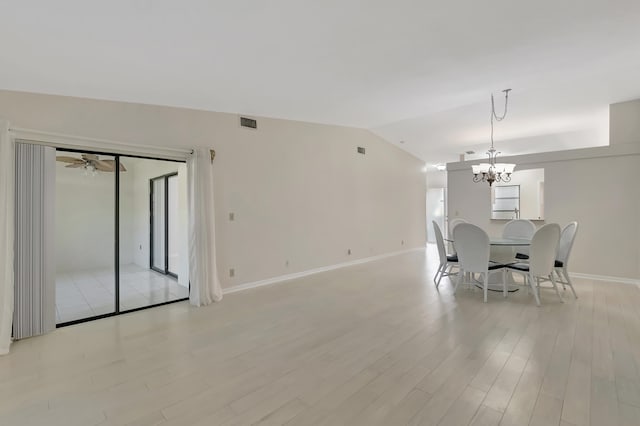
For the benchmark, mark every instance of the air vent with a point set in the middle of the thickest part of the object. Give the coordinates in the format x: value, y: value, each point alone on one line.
x: 248, y: 122
x: 360, y: 150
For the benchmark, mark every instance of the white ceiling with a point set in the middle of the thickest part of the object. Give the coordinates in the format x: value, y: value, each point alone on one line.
x: 418, y: 71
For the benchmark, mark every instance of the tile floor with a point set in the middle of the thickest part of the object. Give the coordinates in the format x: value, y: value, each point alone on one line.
x: 89, y: 293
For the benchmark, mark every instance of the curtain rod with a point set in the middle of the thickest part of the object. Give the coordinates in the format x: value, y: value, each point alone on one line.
x: 64, y: 140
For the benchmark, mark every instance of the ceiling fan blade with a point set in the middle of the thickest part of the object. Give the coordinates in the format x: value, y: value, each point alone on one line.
x: 74, y: 166
x: 112, y: 163
x: 102, y: 166
x: 89, y: 156
x: 69, y: 160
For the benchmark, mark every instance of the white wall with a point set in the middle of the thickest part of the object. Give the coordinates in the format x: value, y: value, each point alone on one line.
x: 624, y: 122
x: 597, y: 187
x: 300, y: 193
x: 624, y: 119
x: 437, y: 179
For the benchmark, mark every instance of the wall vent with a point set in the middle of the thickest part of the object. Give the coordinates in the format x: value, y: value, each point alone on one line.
x: 248, y: 122
x: 360, y: 150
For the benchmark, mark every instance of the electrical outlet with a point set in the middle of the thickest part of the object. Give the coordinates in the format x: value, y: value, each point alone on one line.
x: 232, y: 217
x: 232, y: 272
x: 286, y: 263
x: 140, y: 246
x: 349, y: 252
x: 402, y: 243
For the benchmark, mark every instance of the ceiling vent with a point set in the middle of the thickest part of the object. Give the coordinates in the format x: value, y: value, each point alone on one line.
x: 248, y: 122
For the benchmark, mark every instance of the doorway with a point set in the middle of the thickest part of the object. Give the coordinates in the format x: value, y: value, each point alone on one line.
x: 436, y: 211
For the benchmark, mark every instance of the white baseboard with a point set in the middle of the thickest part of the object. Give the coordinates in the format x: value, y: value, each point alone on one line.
x: 287, y: 277
x: 281, y: 278
x: 605, y: 278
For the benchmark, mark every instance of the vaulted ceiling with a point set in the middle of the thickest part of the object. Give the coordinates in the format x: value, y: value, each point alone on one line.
x: 417, y: 71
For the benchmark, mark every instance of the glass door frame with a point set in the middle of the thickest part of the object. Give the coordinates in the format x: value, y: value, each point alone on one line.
x: 117, y: 310
x: 165, y: 187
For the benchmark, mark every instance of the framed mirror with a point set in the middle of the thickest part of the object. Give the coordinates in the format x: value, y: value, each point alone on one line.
x: 521, y: 198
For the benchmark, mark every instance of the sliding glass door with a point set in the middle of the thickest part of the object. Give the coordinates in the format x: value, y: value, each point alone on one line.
x: 111, y: 258
x: 157, y: 233
x: 84, y: 235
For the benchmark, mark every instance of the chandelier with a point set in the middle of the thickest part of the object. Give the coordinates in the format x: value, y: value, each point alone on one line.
x: 492, y: 171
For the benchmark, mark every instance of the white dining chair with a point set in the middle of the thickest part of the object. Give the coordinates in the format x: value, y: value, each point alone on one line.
x: 520, y: 228
x: 567, y: 237
x: 453, y: 223
x: 542, y: 257
x: 472, y: 247
x: 447, y: 261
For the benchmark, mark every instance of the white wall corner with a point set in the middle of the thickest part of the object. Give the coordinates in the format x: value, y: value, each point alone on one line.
x: 624, y: 123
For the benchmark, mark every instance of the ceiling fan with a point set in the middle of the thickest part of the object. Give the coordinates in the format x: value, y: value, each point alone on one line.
x: 91, y: 163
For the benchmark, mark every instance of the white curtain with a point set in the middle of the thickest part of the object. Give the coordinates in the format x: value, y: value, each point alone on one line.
x: 203, y: 272
x: 7, y: 177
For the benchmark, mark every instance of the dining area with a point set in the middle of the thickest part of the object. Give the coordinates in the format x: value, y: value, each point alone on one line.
x: 523, y: 257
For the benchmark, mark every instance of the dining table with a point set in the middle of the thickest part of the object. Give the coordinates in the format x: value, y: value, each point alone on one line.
x: 511, y: 242
x: 499, y: 255
x: 499, y: 241
x: 504, y: 257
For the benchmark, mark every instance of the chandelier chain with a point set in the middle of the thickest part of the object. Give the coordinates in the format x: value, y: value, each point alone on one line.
x: 493, y: 111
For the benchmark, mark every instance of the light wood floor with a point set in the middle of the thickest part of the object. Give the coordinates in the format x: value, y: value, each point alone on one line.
x: 366, y: 345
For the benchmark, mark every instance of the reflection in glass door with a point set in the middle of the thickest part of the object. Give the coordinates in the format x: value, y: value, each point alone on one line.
x: 84, y: 235
x: 164, y: 224
x: 173, y: 228
x: 158, y: 222
x: 151, y: 206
